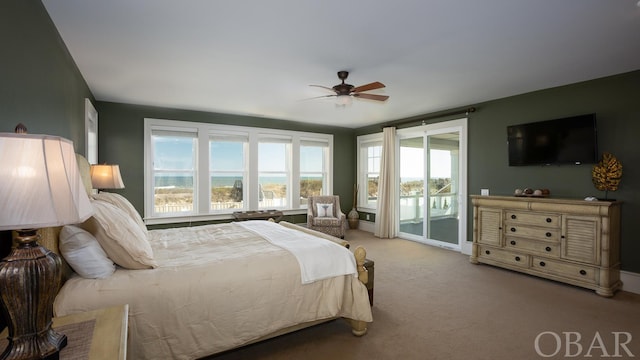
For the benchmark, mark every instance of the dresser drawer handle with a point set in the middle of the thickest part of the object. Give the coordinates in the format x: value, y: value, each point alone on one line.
x: 542, y: 263
x: 513, y: 229
x: 517, y: 258
x: 548, y: 248
x: 487, y: 252
x: 513, y: 216
x: 548, y: 234
x: 549, y: 220
x: 512, y: 242
x: 582, y: 272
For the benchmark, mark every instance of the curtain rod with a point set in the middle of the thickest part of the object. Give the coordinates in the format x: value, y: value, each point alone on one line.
x: 465, y: 111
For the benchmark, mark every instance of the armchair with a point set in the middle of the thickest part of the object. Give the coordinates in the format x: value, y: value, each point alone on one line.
x: 324, y: 215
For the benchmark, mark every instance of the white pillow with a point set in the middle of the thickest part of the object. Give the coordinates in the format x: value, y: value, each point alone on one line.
x: 120, y: 237
x: 122, y: 203
x: 84, y: 254
x: 324, y: 210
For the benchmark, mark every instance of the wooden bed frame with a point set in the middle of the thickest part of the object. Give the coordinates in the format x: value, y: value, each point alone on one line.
x: 49, y: 239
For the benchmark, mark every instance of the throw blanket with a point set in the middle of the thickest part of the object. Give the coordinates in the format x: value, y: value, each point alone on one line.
x: 318, y: 258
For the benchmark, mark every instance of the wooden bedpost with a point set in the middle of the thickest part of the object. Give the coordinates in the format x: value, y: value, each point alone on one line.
x: 361, y: 254
x: 359, y: 328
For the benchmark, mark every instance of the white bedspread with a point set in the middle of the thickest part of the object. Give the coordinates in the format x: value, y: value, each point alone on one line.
x: 216, y: 287
x: 318, y: 258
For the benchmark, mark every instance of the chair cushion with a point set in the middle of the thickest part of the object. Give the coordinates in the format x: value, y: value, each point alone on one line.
x: 326, y: 221
x: 324, y: 210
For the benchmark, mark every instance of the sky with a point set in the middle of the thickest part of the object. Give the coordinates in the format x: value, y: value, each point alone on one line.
x: 175, y: 154
x: 412, y: 163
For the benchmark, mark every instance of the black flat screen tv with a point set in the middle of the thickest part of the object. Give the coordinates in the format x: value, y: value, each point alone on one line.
x: 571, y: 140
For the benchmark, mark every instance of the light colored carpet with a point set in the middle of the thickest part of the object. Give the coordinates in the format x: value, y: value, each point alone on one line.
x: 432, y: 303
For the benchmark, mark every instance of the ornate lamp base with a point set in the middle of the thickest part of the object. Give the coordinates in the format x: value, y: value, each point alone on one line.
x: 29, y: 280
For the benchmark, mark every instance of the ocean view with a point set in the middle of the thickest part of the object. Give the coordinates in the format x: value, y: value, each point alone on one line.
x: 218, y: 181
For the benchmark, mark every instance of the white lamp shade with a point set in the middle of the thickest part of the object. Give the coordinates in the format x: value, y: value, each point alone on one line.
x: 40, y: 185
x: 106, y: 177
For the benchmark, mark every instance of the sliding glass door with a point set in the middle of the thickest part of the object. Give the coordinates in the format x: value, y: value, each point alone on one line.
x: 432, y: 183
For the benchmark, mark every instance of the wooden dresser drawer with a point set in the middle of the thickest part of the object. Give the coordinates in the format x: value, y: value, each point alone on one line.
x: 532, y: 232
x: 564, y: 269
x: 549, y: 248
x: 539, y: 219
x: 503, y: 256
x: 568, y: 240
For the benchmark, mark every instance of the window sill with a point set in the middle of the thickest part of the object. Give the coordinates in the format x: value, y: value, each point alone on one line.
x: 180, y: 219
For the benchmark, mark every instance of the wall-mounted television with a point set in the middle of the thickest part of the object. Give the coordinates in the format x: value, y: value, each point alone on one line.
x: 571, y: 140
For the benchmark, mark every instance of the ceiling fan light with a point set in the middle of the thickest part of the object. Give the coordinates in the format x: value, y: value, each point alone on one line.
x: 344, y: 100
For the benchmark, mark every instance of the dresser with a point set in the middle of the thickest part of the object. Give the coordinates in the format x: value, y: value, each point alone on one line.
x: 572, y: 241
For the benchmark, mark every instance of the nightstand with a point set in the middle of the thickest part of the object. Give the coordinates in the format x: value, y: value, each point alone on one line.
x: 109, y: 334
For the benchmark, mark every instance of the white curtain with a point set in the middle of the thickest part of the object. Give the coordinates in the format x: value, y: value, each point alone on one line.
x: 387, y: 210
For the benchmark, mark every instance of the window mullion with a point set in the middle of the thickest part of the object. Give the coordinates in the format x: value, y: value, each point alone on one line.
x: 252, y: 187
x: 295, y: 174
x: 203, y: 193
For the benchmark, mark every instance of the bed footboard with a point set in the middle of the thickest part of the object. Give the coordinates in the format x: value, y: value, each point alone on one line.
x: 359, y: 328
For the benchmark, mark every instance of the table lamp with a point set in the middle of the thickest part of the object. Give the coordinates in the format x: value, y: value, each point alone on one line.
x: 106, y: 177
x: 40, y: 187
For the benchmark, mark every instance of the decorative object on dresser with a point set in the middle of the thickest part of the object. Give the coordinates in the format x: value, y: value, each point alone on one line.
x: 606, y: 175
x: 105, y: 177
x: 41, y: 187
x: 528, y: 192
x: 353, y: 216
x: 571, y: 241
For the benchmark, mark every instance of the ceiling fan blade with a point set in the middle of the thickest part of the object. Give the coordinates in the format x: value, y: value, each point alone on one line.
x: 372, y: 96
x: 319, y: 97
x: 324, y: 87
x: 367, y: 87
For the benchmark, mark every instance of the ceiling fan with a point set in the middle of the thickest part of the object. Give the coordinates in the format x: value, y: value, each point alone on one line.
x: 348, y: 90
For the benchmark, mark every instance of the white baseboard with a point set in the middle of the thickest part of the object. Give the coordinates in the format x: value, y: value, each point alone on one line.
x: 630, y: 281
x: 368, y: 226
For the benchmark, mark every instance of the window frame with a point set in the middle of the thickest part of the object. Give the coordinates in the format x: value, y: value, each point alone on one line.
x: 202, y: 192
x: 325, y: 166
x: 365, y: 141
x: 231, y: 137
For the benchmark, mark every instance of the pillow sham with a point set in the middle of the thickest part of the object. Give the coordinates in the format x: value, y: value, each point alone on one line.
x: 122, y: 203
x: 120, y: 237
x: 84, y: 254
x: 324, y: 210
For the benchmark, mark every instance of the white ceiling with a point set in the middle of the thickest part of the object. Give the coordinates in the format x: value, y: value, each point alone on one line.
x: 258, y: 57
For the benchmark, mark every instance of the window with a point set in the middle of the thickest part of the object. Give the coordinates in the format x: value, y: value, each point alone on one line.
x: 174, y: 172
x: 313, y: 169
x: 370, y: 151
x: 274, y: 172
x: 198, y: 171
x: 227, y: 171
x: 91, y: 132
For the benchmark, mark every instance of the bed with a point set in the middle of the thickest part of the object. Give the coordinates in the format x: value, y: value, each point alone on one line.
x: 202, y: 290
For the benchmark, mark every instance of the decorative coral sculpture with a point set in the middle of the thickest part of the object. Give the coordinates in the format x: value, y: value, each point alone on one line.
x: 607, y: 173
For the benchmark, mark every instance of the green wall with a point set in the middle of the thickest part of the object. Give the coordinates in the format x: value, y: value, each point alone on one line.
x: 42, y: 88
x: 40, y: 84
x: 614, y: 99
x: 121, y: 141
